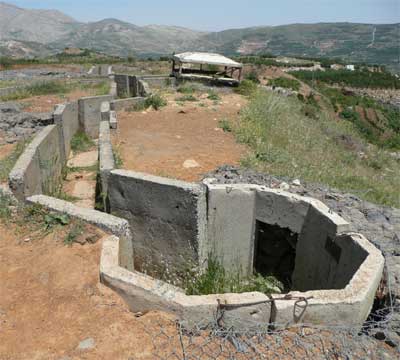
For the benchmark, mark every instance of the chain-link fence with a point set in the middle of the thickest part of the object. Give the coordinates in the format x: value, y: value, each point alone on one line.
x: 171, y: 340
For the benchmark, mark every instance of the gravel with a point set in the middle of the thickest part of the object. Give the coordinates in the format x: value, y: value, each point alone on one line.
x: 16, y: 125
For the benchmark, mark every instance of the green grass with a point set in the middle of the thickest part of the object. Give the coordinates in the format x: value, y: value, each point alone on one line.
x: 75, y: 231
x: 56, y: 87
x: 285, y: 83
x: 5, y: 203
x: 117, y: 158
x: 246, y: 88
x: 186, y: 98
x: 285, y: 142
x: 187, y: 88
x: 215, y: 280
x: 81, y: 142
x: 213, y: 95
x: 156, y: 101
x: 225, y: 125
x: 8, y: 162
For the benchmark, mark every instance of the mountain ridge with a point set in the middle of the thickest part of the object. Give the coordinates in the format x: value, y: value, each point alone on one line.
x: 54, y: 30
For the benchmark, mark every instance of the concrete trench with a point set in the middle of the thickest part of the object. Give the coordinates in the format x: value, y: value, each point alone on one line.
x: 331, y: 274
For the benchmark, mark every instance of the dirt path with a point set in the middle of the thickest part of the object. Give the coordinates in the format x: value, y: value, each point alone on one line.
x: 182, y: 142
x: 80, y: 182
x: 51, y: 302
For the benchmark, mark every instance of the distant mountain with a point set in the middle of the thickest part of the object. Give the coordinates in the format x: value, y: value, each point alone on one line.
x: 51, y: 30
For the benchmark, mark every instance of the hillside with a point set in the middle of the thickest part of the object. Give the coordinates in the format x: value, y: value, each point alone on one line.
x: 353, y: 42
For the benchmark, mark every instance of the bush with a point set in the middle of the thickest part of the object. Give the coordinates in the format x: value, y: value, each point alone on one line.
x: 155, y: 101
x: 252, y: 76
x: 246, y: 88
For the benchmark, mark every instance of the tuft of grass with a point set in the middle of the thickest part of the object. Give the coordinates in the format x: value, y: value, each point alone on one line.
x: 8, y: 162
x: 42, y: 88
x: 225, y: 125
x: 155, y: 101
x: 76, y: 230
x: 285, y: 142
x: 246, y: 88
x: 117, y: 158
x: 212, y: 95
x: 215, y: 280
x: 186, y: 98
x: 81, y: 142
x: 187, y: 88
x: 5, y: 203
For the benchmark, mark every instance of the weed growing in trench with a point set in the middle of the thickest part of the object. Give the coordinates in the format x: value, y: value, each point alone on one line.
x: 215, y: 280
x: 81, y: 142
x: 75, y: 231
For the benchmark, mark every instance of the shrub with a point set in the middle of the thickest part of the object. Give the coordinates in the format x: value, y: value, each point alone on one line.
x: 246, y: 88
x: 252, y: 76
x: 155, y: 101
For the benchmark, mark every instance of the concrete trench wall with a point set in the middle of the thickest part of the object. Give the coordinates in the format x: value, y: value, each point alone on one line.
x: 140, y: 86
x: 38, y: 170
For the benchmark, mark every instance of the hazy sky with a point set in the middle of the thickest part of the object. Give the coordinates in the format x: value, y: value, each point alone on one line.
x: 223, y: 14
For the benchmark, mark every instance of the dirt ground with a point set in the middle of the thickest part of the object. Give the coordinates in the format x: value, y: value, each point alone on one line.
x: 46, y: 103
x: 181, y: 141
x: 6, y: 150
x: 51, y: 300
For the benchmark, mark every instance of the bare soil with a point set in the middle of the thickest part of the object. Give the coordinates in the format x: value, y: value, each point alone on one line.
x: 179, y: 141
x: 51, y: 300
x: 6, y: 150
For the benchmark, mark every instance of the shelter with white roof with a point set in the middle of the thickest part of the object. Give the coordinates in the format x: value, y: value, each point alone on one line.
x: 201, y: 65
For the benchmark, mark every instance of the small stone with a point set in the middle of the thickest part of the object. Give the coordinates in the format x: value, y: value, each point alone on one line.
x: 86, y: 344
x: 284, y: 186
x: 296, y: 182
x: 92, y: 238
x: 189, y: 164
x: 27, y: 239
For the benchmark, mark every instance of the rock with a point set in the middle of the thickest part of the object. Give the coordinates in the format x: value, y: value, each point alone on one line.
x: 188, y: 164
x: 87, y: 344
x: 92, y: 238
x: 284, y: 186
x: 296, y: 182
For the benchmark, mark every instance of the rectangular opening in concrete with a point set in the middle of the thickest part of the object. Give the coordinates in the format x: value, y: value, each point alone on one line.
x: 275, y: 252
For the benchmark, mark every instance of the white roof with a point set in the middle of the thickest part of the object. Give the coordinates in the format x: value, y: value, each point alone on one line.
x: 206, y: 58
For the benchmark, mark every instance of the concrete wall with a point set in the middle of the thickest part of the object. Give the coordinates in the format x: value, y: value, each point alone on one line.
x: 123, y: 88
x: 90, y: 114
x: 318, y: 253
x: 167, y: 217
x: 38, y: 170
x: 125, y: 104
x: 106, y: 161
x: 231, y: 213
x: 66, y: 117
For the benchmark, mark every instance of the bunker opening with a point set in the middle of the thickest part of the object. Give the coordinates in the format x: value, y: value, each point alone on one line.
x: 275, y: 252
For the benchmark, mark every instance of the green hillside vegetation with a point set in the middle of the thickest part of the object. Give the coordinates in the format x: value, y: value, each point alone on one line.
x: 359, y: 78
x: 318, y: 148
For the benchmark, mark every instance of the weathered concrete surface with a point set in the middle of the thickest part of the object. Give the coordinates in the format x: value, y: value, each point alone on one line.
x: 168, y: 218
x: 105, y: 111
x: 66, y: 117
x: 231, y: 213
x: 113, y: 120
x: 106, y: 162
x: 38, y: 170
x: 90, y: 114
x: 126, y: 104
x: 84, y: 159
x: 380, y: 224
x: 347, y: 307
x: 110, y: 223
